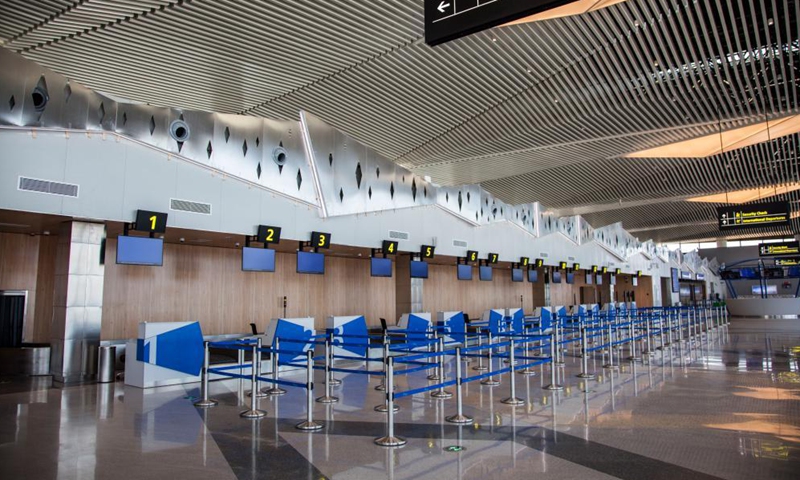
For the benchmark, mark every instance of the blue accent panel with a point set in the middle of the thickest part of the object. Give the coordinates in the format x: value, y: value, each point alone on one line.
x: 357, y: 326
x: 456, y: 327
x: 622, y: 308
x: 546, y: 322
x: 181, y: 349
x: 142, y: 350
x: 517, y: 321
x: 562, y: 312
x: 416, y: 324
x: 496, y: 323
x: 291, y: 331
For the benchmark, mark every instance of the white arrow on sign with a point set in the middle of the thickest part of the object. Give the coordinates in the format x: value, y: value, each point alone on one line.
x: 442, y: 6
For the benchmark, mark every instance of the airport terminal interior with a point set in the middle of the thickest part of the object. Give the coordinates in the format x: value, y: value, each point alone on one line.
x: 399, y: 239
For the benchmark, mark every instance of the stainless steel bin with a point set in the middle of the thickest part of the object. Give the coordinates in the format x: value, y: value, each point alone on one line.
x: 106, y: 364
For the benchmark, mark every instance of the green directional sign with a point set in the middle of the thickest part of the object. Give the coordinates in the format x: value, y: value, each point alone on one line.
x: 454, y: 448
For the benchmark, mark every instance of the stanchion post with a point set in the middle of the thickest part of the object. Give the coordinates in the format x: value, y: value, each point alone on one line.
x: 512, y: 399
x: 610, y: 365
x: 253, y: 412
x: 553, y: 381
x: 585, y: 359
x: 390, y: 440
x: 276, y: 365
x: 480, y: 367
x: 490, y: 381
x: 441, y: 393
x: 330, y: 378
x: 459, y: 417
x: 382, y: 386
x: 328, y: 398
x: 309, y: 424
x: 437, y: 346
x: 204, y: 401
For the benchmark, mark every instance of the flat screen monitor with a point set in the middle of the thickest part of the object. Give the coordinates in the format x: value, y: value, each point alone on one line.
x: 589, y: 278
x: 635, y: 281
x: 380, y: 267
x: 310, y: 262
x: 533, y: 276
x: 419, y: 269
x: 485, y: 273
x: 516, y: 275
x: 258, y: 259
x: 599, y: 279
x: 675, y: 280
x: 749, y: 273
x: 140, y: 251
x: 612, y: 280
x: 556, y: 277
x: 570, y: 277
x: 464, y: 272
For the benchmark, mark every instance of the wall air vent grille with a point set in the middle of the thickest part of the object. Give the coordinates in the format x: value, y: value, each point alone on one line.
x: 544, y: 255
x: 460, y: 243
x: 398, y: 235
x: 47, y: 186
x: 189, y: 206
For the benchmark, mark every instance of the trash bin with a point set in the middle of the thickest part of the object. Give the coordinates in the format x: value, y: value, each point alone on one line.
x: 106, y: 364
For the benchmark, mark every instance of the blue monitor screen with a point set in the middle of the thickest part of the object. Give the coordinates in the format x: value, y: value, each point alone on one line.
x: 140, y: 251
x: 635, y: 281
x: 533, y: 276
x: 599, y: 279
x: 419, y: 269
x: 258, y: 259
x: 485, y: 273
x: 749, y: 273
x: 570, y: 277
x: 310, y: 262
x: 589, y: 278
x: 556, y: 277
x: 516, y: 275
x: 380, y: 267
x: 465, y: 272
x: 794, y: 271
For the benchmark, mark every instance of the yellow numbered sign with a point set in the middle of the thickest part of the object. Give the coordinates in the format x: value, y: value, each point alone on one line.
x: 268, y: 234
x: 320, y: 240
x: 426, y: 251
x: 389, y: 246
x: 153, y: 222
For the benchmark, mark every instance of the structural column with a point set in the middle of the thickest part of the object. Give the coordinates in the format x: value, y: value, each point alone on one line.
x: 77, y: 302
x: 408, y: 291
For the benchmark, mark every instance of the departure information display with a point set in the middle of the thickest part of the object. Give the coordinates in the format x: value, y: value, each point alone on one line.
x: 787, y: 262
x: 772, y: 214
x: 778, y: 249
x: 447, y: 20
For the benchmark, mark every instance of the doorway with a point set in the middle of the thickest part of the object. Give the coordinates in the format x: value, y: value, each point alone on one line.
x: 12, y: 317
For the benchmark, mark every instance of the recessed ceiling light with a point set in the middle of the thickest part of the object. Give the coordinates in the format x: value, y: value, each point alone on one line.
x: 714, y: 144
x: 578, y: 7
x: 748, y: 195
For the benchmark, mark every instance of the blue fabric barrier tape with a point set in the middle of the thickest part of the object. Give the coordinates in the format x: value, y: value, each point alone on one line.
x: 417, y: 391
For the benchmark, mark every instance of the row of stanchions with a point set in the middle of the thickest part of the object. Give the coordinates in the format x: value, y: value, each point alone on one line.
x: 607, y: 333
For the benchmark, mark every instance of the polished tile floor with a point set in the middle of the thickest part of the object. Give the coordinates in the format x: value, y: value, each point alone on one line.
x: 728, y: 408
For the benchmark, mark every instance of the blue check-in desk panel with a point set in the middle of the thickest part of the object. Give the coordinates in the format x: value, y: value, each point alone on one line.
x: 293, y: 335
x: 164, y: 353
x: 350, y: 333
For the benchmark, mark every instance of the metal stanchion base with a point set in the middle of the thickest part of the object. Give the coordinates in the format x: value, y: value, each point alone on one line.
x: 442, y: 394
x: 309, y: 426
x: 481, y: 368
x: 611, y: 367
x: 634, y: 359
x: 459, y: 419
x: 490, y: 382
x: 259, y: 393
x: 527, y: 371
x: 383, y: 408
x: 206, y: 403
x: 507, y: 362
x: 328, y: 399
x: 588, y: 376
x: 253, y: 414
x: 334, y: 382
x: 554, y: 387
x: 513, y: 401
x: 559, y: 363
x: 390, y: 441
x: 381, y: 388
x: 434, y: 377
x: 274, y: 391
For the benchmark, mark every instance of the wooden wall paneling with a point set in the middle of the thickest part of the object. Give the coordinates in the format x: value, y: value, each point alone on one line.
x: 206, y: 284
x: 45, y: 283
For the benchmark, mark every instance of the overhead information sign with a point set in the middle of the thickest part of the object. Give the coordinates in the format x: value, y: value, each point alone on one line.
x: 778, y: 249
x: 447, y: 20
x: 787, y: 262
x: 773, y: 214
